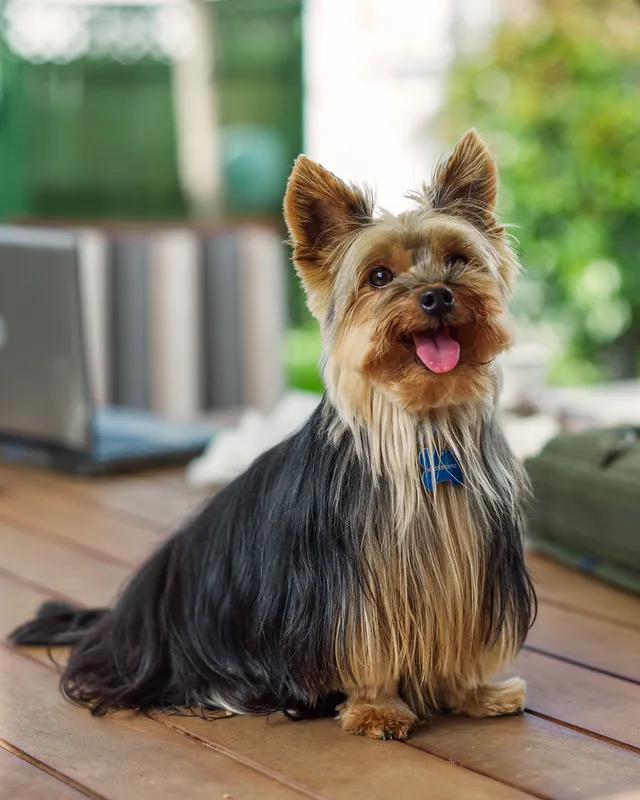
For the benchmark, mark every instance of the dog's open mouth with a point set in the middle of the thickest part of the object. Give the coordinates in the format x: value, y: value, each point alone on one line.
x: 437, y: 350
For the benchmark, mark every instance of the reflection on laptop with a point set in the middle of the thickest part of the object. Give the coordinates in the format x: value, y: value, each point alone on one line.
x: 47, y: 416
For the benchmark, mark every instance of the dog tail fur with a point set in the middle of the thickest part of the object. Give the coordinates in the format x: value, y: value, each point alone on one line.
x: 57, y: 623
x: 121, y: 657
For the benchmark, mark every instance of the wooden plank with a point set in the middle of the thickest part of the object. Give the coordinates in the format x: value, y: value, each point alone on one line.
x: 54, y: 566
x: 590, y: 700
x: 44, y: 510
x: 17, y: 475
x: 178, y: 479
x: 155, y: 503
x: 144, y: 499
x: 593, y: 642
x: 20, y: 780
x: 18, y: 603
x: 334, y: 764
x: 581, y: 593
x: 633, y: 795
x: 534, y: 754
x: 123, y: 757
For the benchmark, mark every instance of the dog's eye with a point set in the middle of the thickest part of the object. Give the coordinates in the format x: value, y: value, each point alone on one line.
x: 380, y: 276
x: 454, y: 259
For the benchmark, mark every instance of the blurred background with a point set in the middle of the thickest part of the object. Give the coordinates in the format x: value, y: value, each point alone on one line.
x: 164, y: 130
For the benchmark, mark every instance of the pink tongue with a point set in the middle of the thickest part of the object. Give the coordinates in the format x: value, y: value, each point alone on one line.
x: 439, y: 352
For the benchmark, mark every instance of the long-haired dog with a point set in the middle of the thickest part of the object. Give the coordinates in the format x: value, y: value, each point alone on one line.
x: 373, y: 562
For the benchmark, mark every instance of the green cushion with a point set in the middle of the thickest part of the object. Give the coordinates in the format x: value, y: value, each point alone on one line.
x: 586, y: 506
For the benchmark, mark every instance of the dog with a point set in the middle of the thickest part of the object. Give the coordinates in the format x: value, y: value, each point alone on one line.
x: 371, y: 566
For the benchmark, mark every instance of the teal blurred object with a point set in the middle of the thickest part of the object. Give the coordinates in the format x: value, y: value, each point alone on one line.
x: 258, y: 73
x: 254, y: 161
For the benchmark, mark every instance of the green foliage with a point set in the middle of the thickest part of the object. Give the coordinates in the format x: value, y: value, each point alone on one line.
x: 557, y: 100
x: 303, y: 348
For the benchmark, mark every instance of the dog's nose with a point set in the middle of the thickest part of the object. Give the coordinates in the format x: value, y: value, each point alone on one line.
x: 437, y: 301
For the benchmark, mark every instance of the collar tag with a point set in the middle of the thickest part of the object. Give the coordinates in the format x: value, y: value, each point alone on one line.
x: 445, y: 467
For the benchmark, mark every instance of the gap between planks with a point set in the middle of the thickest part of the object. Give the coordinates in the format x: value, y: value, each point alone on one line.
x: 51, y: 771
x: 594, y: 734
x: 574, y: 663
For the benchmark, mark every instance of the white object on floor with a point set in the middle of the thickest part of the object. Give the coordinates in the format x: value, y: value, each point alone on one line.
x: 524, y: 372
x: 528, y: 435
x: 615, y: 403
x: 232, y: 450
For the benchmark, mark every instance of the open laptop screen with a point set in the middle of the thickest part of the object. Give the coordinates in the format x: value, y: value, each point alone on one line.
x: 44, y: 392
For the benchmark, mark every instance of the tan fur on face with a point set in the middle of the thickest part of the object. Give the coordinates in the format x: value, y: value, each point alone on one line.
x: 366, y: 338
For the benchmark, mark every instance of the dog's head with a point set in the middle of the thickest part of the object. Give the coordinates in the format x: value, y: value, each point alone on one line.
x: 416, y: 304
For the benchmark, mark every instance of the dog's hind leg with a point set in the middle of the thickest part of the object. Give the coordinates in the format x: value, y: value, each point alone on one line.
x: 378, y: 714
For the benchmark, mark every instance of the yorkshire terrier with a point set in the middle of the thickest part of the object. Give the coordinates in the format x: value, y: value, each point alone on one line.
x: 372, y: 564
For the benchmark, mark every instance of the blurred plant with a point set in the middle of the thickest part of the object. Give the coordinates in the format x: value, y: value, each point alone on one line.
x: 303, y: 349
x: 556, y: 97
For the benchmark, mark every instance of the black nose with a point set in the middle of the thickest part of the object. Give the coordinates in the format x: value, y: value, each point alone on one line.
x: 437, y: 301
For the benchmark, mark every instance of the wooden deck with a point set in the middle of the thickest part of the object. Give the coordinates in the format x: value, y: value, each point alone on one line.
x: 78, y: 540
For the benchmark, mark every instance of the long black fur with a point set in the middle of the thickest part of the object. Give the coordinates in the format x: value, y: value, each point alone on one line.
x: 242, y: 603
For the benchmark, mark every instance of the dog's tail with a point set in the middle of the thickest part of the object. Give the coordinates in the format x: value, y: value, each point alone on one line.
x: 128, y: 656
x: 57, y: 623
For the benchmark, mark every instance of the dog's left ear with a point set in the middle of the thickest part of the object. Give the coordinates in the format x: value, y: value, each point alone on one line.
x: 320, y: 210
x: 467, y: 183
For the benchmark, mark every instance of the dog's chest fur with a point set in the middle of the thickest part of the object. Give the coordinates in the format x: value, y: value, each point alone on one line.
x: 422, y: 619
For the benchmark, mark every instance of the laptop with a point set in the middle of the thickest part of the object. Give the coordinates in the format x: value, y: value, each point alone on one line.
x: 47, y: 415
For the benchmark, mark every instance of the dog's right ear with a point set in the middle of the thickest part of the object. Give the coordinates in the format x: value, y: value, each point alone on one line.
x: 320, y: 210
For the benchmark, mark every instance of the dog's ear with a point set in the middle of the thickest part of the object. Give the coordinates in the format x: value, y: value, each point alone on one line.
x: 320, y: 210
x: 466, y: 184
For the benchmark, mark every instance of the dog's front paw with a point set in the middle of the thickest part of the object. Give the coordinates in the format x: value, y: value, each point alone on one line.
x: 494, y: 699
x: 377, y: 721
